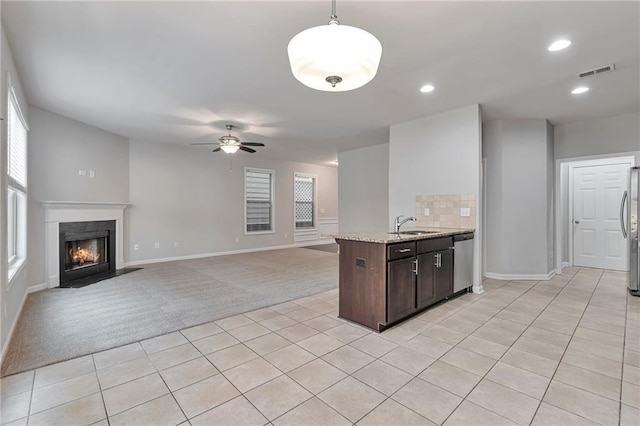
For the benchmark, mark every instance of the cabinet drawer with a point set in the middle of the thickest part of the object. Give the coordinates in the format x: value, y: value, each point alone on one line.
x: 435, y: 244
x: 400, y: 250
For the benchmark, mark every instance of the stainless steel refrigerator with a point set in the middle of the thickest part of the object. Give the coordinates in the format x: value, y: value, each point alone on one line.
x: 629, y: 212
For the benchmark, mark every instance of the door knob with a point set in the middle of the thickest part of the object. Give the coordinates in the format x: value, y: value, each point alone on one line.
x: 576, y: 222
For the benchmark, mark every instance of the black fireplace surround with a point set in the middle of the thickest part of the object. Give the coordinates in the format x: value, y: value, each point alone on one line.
x: 86, y: 248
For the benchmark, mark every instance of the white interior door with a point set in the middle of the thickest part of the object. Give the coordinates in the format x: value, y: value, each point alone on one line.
x: 597, y: 238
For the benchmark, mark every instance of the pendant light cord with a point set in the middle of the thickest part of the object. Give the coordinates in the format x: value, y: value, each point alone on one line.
x: 334, y: 17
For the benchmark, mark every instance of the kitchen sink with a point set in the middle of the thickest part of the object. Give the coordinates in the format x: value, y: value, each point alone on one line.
x: 414, y: 232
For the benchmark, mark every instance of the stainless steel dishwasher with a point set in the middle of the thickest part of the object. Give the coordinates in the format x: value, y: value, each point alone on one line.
x: 462, y: 261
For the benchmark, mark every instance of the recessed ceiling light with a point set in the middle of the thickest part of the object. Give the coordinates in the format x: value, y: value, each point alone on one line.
x: 559, y: 45
x: 579, y: 89
x: 427, y: 88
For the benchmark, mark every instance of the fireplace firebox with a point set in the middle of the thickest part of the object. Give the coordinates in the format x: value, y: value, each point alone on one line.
x: 86, y: 249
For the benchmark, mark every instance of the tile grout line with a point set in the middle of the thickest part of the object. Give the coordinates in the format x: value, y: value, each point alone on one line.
x: 157, y: 371
x: 510, y: 346
x: 219, y: 372
x: 624, y: 345
x: 498, y: 360
x: 463, y: 399
x: 564, y: 353
x: 104, y: 404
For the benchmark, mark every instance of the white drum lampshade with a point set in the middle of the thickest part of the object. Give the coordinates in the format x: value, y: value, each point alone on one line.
x: 334, y: 57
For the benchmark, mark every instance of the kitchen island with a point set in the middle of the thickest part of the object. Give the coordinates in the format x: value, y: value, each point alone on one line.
x: 388, y: 277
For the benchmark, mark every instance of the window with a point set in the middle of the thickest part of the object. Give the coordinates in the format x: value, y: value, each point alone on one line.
x: 17, y: 183
x: 304, y: 196
x: 258, y: 195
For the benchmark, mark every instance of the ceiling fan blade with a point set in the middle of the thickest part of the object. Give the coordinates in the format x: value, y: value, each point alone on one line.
x: 251, y: 144
x: 244, y: 148
x: 204, y: 143
x: 217, y: 149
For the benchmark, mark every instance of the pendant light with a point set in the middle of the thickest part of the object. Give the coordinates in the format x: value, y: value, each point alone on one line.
x: 334, y: 57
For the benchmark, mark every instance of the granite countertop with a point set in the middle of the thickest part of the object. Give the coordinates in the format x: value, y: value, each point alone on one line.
x: 386, y: 237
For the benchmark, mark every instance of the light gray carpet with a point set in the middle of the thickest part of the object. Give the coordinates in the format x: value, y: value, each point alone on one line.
x: 59, y: 324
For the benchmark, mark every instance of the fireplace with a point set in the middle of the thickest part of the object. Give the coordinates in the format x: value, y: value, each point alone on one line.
x: 86, y: 249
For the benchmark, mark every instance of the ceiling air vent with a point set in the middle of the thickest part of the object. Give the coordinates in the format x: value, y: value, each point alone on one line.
x: 597, y: 71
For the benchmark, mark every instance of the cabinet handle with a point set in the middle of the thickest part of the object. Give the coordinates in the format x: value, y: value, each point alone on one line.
x: 404, y: 250
x: 436, y: 256
x: 415, y: 263
x: 439, y: 260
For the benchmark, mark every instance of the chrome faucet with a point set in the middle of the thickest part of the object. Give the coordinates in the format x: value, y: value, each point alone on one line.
x: 399, y: 222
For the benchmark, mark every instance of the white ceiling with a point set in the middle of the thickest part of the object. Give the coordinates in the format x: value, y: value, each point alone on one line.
x: 176, y: 72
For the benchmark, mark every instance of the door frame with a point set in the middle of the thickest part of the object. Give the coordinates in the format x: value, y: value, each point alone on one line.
x: 564, y: 190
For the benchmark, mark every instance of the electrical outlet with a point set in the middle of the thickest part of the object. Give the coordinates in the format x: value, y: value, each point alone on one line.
x: 156, y: 245
x: 237, y: 240
x: 136, y: 247
x: 175, y: 244
x: 82, y: 172
x: 92, y: 174
x: 427, y: 212
x: 286, y: 235
x: 322, y: 210
x: 465, y: 212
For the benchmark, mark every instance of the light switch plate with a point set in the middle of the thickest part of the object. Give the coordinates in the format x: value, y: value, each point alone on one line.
x: 426, y: 212
x: 465, y: 212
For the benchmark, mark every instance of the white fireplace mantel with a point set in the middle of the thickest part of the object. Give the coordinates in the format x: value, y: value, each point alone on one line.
x: 77, y: 211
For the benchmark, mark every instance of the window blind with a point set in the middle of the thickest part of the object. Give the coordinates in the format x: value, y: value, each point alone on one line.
x: 17, y: 147
x: 304, y: 187
x: 258, y: 195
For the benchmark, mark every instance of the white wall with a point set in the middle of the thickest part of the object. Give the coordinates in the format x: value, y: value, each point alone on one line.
x: 519, y: 176
x: 608, y: 137
x: 12, y: 294
x: 492, y: 152
x: 551, y: 211
x: 439, y: 154
x: 195, y: 198
x: 58, y: 148
x: 617, y: 134
x: 363, y: 191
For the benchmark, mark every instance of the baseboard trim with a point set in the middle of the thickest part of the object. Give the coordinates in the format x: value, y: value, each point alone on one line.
x: 564, y: 265
x: 523, y: 277
x: 30, y: 290
x: 225, y: 253
x: 319, y: 242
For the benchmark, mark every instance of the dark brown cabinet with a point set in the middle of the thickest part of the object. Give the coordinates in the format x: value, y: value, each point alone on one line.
x: 381, y: 284
x: 401, y: 294
x: 434, y: 281
x: 425, y: 281
x: 443, y: 275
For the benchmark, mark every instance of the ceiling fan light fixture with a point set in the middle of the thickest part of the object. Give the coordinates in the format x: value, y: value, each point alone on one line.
x: 334, y: 57
x: 230, y: 149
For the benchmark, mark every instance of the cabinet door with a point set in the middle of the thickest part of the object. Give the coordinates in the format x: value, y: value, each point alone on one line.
x: 425, y: 282
x: 401, y: 293
x: 444, y: 275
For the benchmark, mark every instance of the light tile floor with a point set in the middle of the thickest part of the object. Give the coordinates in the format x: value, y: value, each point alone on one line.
x: 558, y: 352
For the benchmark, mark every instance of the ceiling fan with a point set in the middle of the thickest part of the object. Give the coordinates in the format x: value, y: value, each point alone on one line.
x: 231, y: 144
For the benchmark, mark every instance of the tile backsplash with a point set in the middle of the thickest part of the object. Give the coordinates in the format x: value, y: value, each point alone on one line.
x: 445, y: 209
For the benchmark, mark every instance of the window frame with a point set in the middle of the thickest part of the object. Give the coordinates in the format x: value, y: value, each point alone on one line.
x: 314, y: 202
x: 272, y: 199
x: 16, y: 194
